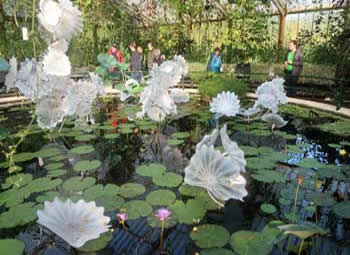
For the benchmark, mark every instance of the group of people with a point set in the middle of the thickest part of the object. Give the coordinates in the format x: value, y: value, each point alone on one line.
x: 136, y: 58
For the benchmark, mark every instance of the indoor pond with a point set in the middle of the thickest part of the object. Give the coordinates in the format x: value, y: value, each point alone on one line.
x: 297, y: 177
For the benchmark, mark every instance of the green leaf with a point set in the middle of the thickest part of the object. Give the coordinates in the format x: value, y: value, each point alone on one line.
x: 111, y: 136
x: 58, y: 158
x: 210, y: 235
x: 47, y: 196
x: 97, y: 244
x: 180, y: 135
x: 216, y: 251
x: 78, y: 183
x: 251, y: 243
x: 131, y: 190
x: 18, y: 216
x: 190, y: 191
x: 87, y: 165
x: 303, y: 230
x: 151, y: 170
x: 54, y: 166
x: 268, y: 176
x: 342, y: 209
x: 321, y: 198
x: 107, y: 61
x: 161, y: 197
x: 187, y: 213
x: 11, y: 246
x: 109, y: 202
x: 56, y: 173
x: 85, y: 138
x: 137, y: 208
x: 268, y: 208
x: 84, y: 149
x: 167, y: 180
x: 47, y: 153
x: 175, y: 142
x: 24, y: 156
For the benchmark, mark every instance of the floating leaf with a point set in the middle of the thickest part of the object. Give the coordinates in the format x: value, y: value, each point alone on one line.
x: 260, y: 163
x: 151, y: 170
x: 334, y: 146
x: 283, y: 201
x: 85, y: 138
x: 137, y: 208
x: 56, y: 173
x: 175, y: 142
x: 97, y: 244
x: 310, y: 163
x: 53, y: 166
x: 342, y: 209
x: 167, y: 180
x: 78, y: 183
x: 251, y: 243
x: 18, y: 215
x: 180, y: 135
x: 216, y: 251
x: 131, y: 190
x: 268, y: 176
x: 86, y: 165
x: 58, y: 158
x: 109, y: 202
x: 210, y: 235
x: 190, y: 191
x: 249, y: 150
x: 17, y: 180
x: 47, y: 196
x: 24, y: 156
x: 112, y: 136
x: 161, y: 197
x: 84, y: 149
x: 47, y: 153
x: 321, y: 198
x: 11, y: 246
x: 268, y: 208
x: 125, y: 131
x: 303, y: 230
x: 187, y: 213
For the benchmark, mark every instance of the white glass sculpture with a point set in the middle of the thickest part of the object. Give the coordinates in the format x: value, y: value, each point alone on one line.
x: 249, y: 112
x: 10, y: 80
x: 274, y: 120
x: 76, y: 223
x: 50, y: 111
x: 179, y: 95
x: 208, y: 140
x: 60, y: 18
x: 209, y: 169
x: 129, y: 86
x: 57, y: 54
x: 225, y: 104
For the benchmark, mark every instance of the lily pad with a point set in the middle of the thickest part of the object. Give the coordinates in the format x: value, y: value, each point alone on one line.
x: 47, y: 196
x: 17, y: 180
x: 334, y: 146
x: 125, y: 131
x: 56, y: 173
x: 190, y: 191
x: 260, y: 163
x: 167, y: 180
x: 268, y: 176
x: 84, y: 149
x: 249, y: 150
x: 161, y: 197
x: 303, y: 230
x: 58, y: 158
x: 99, y: 190
x: 18, y: 215
x: 251, y: 243
x: 85, y: 138
x: 78, y: 183
x: 112, y: 136
x: 175, y: 142
x: 137, y: 208
x: 11, y: 246
x: 151, y: 170
x: 342, y: 209
x: 310, y: 163
x: 187, y: 213
x: 97, y: 244
x: 210, y: 236
x: 87, y: 165
x: 131, y: 190
x: 24, y: 156
x: 53, y: 166
x: 47, y: 153
x: 180, y: 135
x: 216, y: 251
x: 268, y: 208
x: 109, y: 202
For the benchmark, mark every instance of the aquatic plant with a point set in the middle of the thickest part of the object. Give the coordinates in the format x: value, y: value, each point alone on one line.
x: 129, y: 86
x: 219, y: 175
x: 274, y: 121
x: 225, y: 104
x: 76, y: 223
x: 122, y: 218
x: 163, y: 214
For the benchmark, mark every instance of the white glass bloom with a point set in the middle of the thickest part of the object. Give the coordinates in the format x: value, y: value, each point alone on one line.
x: 10, y: 80
x: 208, y: 140
x: 60, y: 18
x: 128, y: 91
x: 274, y: 120
x: 76, y: 223
x: 271, y: 94
x: 179, y: 95
x: 225, y: 104
x: 56, y: 54
x: 209, y: 169
x: 50, y: 111
x: 249, y: 112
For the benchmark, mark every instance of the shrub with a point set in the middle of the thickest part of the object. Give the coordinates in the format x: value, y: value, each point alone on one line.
x: 211, y: 86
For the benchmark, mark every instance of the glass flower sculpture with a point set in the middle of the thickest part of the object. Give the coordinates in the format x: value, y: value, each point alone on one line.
x: 216, y: 173
x: 128, y: 91
x: 271, y: 94
x: 10, y: 80
x: 57, y: 53
x: 179, y: 96
x: 76, y: 223
x: 60, y: 18
x: 249, y: 112
x: 274, y: 120
x: 225, y: 104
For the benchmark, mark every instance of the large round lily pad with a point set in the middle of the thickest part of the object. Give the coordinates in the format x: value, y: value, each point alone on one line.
x: 56, y: 173
x: 217, y: 251
x: 53, y: 166
x: 268, y: 208
x: 112, y: 136
x: 97, y: 244
x: 342, y: 209
x: 151, y: 169
x: 11, y: 247
x: 259, y: 163
x: 251, y: 243
x: 187, y: 213
x: 131, y: 190
x: 23, y: 156
x: 85, y: 138
x: 86, y: 165
x: 161, y: 197
x: 167, y: 180
x: 321, y: 198
x: 180, y: 135
x: 84, y: 149
x: 78, y: 183
x: 47, y: 196
x: 210, y: 236
x: 137, y: 208
x: 109, y: 202
x: 58, y: 158
x: 269, y: 176
x: 47, y: 153
x: 190, y: 191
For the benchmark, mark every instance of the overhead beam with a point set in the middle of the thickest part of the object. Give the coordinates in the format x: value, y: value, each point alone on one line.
x: 219, y: 7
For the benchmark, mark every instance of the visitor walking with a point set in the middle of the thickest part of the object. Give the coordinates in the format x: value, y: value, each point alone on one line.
x: 158, y: 58
x: 136, y: 60
x: 293, y: 66
x: 151, y: 55
x: 214, y: 63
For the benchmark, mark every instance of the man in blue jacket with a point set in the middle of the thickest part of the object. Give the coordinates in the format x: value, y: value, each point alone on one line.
x: 214, y: 64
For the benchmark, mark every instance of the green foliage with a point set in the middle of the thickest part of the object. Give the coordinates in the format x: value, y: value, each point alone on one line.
x: 210, y: 236
x: 212, y: 86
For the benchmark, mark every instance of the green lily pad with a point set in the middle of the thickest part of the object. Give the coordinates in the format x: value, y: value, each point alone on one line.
x: 84, y: 149
x: 85, y: 138
x: 97, y: 244
x: 47, y: 196
x: 109, y: 202
x: 175, y: 142
x: 40, y: 185
x: 283, y: 201
x: 295, y: 148
x: 303, y: 230
x: 131, y: 190
x: 210, y: 236
x: 86, y: 165
x: 47, y: 153
x: 137, y: 208
x: 260, y: 163
x: 58, y: 158
x: 251, y: 243
x: 23, y: 156
x: 334, y: 146
x: 11, y: 246
x: 54, y: 166
x: 310, y: 163
x: 216, y: 251
x: 268, y: 176
x: 167, y: 180
x: 99, y: 190
x: 17, y: 180
x: 161, y: 197
x: 342, y: 209
x: 151, y: 170
x: 56, y: 173
x: 126, y: 125
x: 187, y: 213
x: 18, y: 215
x: 78, y: 183
x: 125, y: 131
x: 180, y: 135
x: 249, y: 150
x: 268, y: 208
x: 112, y: 136
x: 190, y: 191
x: 206, y: 201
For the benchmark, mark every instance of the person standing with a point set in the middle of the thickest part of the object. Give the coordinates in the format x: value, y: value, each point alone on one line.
x: 151, y: 55
x: 214, y: 64
x: 293, y: 66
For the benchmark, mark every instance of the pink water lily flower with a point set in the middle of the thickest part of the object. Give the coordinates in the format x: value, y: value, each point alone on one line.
x: 163, y: 214
x: 122, y: 217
